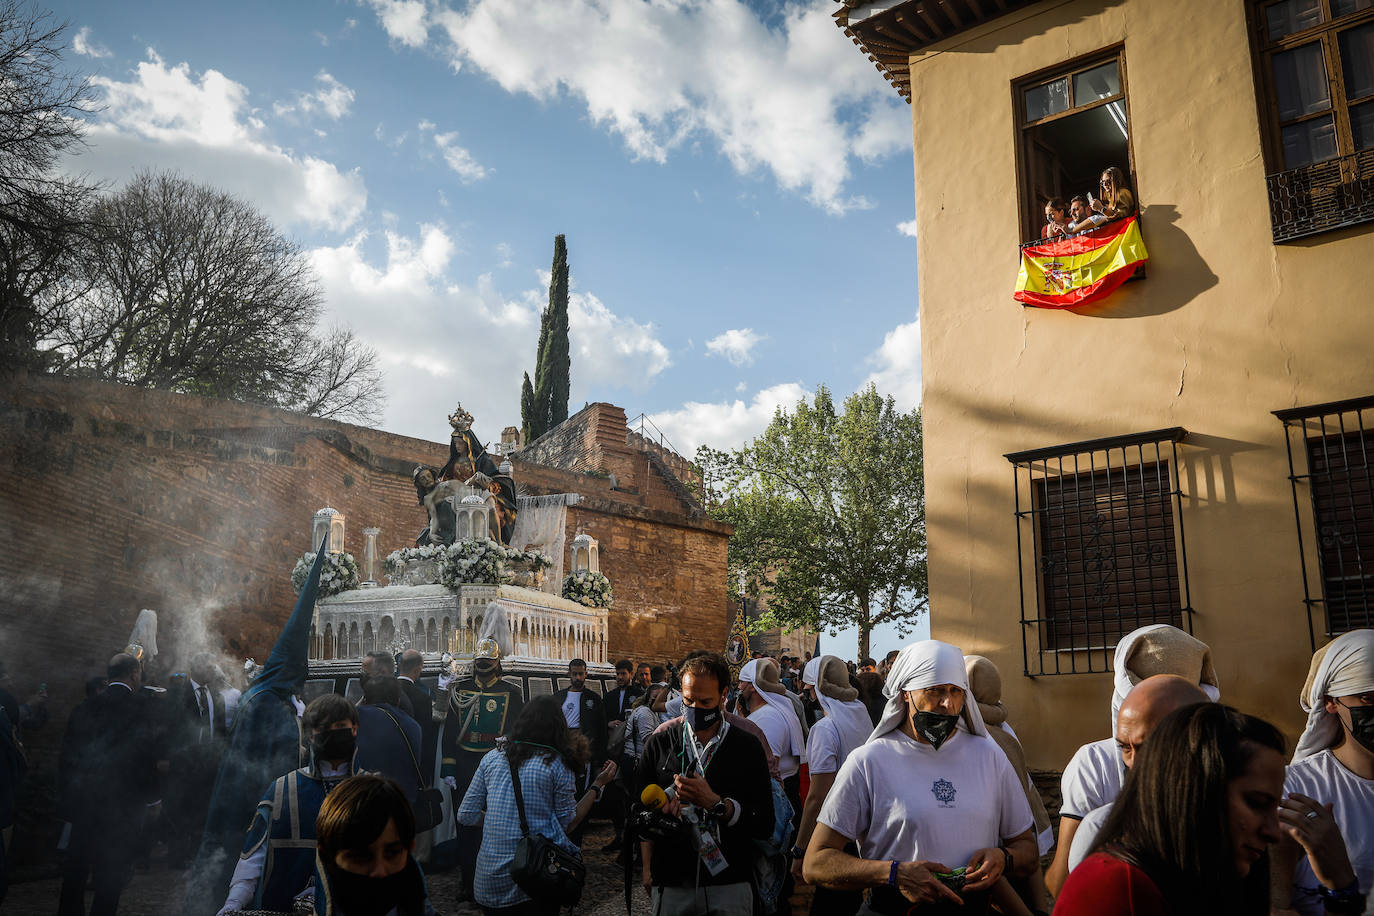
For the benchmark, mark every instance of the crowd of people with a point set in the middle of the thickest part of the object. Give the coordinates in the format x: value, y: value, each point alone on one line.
x: 891, y: 787
x: 1084, y: 212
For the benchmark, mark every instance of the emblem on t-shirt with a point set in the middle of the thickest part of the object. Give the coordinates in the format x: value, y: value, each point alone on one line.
x: 943, y: 790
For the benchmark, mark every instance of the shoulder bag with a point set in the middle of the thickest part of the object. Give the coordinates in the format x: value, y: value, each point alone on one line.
x: 429, y: 803
x: 541, y: 868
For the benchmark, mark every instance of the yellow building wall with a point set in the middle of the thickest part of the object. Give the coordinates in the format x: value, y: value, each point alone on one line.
x: 1226, y: 328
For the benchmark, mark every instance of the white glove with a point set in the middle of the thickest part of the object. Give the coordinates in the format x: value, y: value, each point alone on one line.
x: 451, y: 783
x: 444, y: 680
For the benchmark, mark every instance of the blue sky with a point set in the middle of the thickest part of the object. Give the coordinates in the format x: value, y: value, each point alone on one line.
x: 732, y: 180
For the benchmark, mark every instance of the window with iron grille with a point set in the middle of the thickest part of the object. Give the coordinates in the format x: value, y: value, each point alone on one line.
x: 1100, y: 544
x: 1314, y: 72
x: 1336, y: 446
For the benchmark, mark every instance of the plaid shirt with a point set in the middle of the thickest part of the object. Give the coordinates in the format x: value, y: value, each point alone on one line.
x: 550, y: 803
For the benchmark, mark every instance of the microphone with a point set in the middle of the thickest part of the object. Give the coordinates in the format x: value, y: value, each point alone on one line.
x: 654, y: 797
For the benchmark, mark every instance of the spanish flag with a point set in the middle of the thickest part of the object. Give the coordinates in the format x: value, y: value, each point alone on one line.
x: 1085, y: 268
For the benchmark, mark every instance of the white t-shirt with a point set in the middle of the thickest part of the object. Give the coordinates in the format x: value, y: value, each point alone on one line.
x: 572, y: 709
x: 1322, y: 777
x: 1092, y: 778
x: 901, y: 799
x: 779, y: 735
x: 1086, y: 835
x: 823, y: 751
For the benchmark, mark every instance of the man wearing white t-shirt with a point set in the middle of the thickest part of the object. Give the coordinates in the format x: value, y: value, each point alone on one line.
x: 1093, y: 777
x: 767, y: 705
x: 928, y: 793
x: 582, y: 711
x: 1329, y: 811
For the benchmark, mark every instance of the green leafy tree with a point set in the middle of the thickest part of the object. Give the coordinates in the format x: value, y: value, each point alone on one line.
x: 546, y: 405
x: 829, y: 515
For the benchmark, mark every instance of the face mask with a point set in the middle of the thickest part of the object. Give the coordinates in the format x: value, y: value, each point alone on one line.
x: 935, y: 727
x: 702, y: 719
x: 1362, y: 725
x: 335, y: 744
x: 367, y: 896
x: 484, y: 666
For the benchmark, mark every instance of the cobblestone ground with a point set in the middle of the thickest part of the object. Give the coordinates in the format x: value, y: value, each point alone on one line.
x: 158, y: 892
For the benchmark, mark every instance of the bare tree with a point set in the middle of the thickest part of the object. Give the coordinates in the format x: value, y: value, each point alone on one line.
x: 41, y: 211
x: 192, y: 289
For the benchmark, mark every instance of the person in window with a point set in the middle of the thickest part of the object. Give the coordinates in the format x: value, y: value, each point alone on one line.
x: 1079, y: 214
x: 1212, y: 768
x: 1116, y: 201
x: 1056, y: 220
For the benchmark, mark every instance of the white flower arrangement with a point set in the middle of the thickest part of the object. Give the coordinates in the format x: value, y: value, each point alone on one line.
x: 339, y: 573
x: 589, y: 589
x: 468, y: 562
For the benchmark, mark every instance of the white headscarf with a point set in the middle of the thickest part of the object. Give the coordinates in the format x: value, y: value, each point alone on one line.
x: 850, y: 716
x: 1341, y: 668
x: 751, y: 674
x: 927, y: 663
x: 1160, y: 649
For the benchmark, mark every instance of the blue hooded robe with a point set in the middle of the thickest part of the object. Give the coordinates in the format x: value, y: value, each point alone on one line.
x: 263, y: 744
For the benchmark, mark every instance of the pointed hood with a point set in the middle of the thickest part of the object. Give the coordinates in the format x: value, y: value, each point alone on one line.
x: 286, y: 667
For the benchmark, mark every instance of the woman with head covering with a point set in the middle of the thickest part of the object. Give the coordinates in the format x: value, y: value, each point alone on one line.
x: 1329, y: 811
x: 843, y: 730
x: 1190, y: 831
x: 929, y: 793
x: 1093, y: 777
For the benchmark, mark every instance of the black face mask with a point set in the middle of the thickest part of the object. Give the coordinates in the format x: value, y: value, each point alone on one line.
x: 484, y: 666
x: 702, y: 719
x: 362, y: 895
x: 935, y: 727
x: 1362, y: 725
x: 335, y: 744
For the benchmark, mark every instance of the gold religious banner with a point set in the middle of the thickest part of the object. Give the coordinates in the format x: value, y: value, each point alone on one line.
x: 737, y: 646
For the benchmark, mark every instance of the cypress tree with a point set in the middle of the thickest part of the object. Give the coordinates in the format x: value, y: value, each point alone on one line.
x: 546, y: 404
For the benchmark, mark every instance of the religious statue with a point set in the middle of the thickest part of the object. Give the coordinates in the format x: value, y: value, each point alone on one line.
x: 435, y: 497
x: 469, y: 463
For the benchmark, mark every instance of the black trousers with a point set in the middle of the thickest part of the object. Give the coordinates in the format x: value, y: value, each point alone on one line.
x: 98, y: 850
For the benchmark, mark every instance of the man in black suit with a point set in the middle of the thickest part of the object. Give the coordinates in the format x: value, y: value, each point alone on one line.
x: 383, y: 664
x: 582, y: 711
x: 109, y: 759
x: 197, y: 736
x: 617, y: 705
x: 422, y: 701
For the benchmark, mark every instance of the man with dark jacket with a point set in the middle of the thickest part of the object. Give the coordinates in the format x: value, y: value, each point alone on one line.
x: 388, y: 740
x: 422, y: 701
x: 721, y: 793
x: 616, y: 707
x: 583, y: 712
x: 109, y: 764
x: 197, y: 736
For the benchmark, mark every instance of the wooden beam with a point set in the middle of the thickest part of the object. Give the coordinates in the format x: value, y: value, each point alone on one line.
x: 936, y: 29
x: 952, y: 13
x: 916, y: 31
x: 1001, y: 5
x: 898, y: 43
x: 977, y: 7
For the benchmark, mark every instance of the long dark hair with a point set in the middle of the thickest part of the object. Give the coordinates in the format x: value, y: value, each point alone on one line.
x: 542, y: 730
x: 1172, y: 817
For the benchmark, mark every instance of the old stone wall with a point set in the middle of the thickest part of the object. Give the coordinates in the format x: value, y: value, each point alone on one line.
x: 114, y: 499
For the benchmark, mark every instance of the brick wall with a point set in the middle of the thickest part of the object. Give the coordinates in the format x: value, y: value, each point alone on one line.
x: 114, y: 499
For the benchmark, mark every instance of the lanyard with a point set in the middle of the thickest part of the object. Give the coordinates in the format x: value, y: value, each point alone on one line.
x: 702, y: 755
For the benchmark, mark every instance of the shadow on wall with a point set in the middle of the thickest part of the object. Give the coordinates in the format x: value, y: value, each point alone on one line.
x: 1023, y: 25
x: 1177, y: 273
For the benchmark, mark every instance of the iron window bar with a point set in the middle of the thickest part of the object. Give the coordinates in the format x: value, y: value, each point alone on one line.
x: 1100, y: 523
x: 1336, y: 448
x: 1322, y: 197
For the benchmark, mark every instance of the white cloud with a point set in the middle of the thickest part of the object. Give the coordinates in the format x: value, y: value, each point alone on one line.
x: 332, y: 99
x: 83, y: 45
x: 459, y: 159
x: 404, y: 20
x: 440, y: 339
x: 897, y: 365
x: 908, y: 227
x: 735, y: 345
x: 797, y: 100
x: 727, y: 424
x: 165, y: 117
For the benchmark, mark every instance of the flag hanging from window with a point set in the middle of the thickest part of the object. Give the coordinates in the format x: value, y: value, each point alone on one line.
x: 1086, y: 268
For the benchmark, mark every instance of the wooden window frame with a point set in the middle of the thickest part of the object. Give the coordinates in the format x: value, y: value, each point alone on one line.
x: 1032, y: 211
x: 1263, y: 49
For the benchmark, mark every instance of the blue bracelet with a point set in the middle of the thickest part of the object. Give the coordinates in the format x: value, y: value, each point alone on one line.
x: 892, y: 875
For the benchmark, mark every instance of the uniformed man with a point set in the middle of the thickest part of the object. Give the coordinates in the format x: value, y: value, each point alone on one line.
x: 481, y: 709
